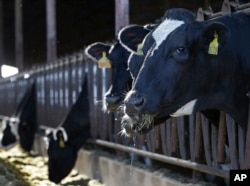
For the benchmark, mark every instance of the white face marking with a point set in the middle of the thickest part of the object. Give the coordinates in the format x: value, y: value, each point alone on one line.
x: 14, y: 122
x: 64, y: 133
x: 187, y: 109
x: 163, y: 30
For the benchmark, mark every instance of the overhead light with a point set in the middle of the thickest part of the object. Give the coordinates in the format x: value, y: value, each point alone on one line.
x: 26, y: 76
x: 8, y: 71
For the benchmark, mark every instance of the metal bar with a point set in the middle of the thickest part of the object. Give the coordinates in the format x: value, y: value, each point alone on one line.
x: 231, y: 130
x: 247, y: 153
x: 207, y: 140
x: 18, y: 34
x: 121, y: 14
x: 241, y: 146
x: 221, y: 138
x: 1, y: 36
x: 192, y: 137
x: 174, y: 136
x: 198, y: 138
x: 163, y: 158
x: 157, y: 138
x: 51, y: 30
x: 163, y: 138
x: 214, y: 145
x: 181, y: 137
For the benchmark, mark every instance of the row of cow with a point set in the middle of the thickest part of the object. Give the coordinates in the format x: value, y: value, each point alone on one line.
x: 62, y: 143
x: 178, y: 66
x: 183, y: 66
x: 173, y: 67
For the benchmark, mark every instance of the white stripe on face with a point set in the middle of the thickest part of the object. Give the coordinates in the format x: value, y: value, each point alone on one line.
x: 163, y: 30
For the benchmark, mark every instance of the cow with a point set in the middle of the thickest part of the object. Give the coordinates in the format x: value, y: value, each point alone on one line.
x: 118, y: 57
x: 134, y: 126
x: 21, y: 126
x: 64, y: 142
x: 9, y: 132
x: 195, y: 66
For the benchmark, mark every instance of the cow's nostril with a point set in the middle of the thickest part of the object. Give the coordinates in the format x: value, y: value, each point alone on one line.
x: 139, y: 102
x: 134, y: 102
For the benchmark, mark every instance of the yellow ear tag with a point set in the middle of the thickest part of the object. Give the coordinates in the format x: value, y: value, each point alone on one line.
x: 139, y: 49
x: 104, y: 62
x: 61, y: 141
x: 214, y: 45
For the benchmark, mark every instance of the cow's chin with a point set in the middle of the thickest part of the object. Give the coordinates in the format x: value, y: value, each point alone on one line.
x: 136, y: 124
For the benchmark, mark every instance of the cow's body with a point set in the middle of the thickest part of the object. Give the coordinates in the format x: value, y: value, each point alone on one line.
x: 178, y: 70
x: 21, y: 127
x: 68, y: 138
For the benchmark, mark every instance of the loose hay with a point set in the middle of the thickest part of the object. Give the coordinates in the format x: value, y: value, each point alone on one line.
x: 18, y: 168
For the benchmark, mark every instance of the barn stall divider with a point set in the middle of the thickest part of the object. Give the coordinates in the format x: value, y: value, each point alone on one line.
x: 192, y: 141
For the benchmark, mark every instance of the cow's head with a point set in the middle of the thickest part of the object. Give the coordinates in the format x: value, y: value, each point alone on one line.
x: 27, y: 120
x: 118, y: 57
x: 133, y: 122
x: 115, y: 54
x: 9, y: 132
x: 61, y: 155
x: 176, y: 68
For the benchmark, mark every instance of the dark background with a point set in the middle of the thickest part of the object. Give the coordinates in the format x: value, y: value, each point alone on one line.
x: 79, y: 23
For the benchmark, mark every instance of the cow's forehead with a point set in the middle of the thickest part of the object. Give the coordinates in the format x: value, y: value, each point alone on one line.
x: 164, y: 29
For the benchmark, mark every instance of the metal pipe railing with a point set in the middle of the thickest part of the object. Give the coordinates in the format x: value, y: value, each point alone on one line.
x: 164, y: 158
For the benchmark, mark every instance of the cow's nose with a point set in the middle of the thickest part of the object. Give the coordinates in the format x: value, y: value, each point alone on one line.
x: 112, y: 98
x: 134, y: 102
x: 112, y: 101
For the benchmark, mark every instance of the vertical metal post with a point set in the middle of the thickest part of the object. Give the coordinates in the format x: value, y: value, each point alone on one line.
x: 18, y: 35
x: 1, y: 36
x: 51, y: 30
x: 121, y: 14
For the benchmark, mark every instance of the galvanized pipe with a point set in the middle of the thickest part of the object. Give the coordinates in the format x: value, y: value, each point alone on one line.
x: 163, y: 158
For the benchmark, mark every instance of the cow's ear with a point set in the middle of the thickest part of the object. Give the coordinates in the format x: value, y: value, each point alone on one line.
x: 95, y: 51
x: 131, y: 36
x: 215, y: 36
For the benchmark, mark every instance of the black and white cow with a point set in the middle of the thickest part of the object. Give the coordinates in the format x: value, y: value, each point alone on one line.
x: 195, y: 66
x: 136, y: 125
x: 21, y: 126
x: 118, y: 57
x: 65, y: 141
x: 9, y: 133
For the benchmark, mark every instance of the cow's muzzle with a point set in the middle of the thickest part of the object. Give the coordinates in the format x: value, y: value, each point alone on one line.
x: 112, y: 101
x: 136, y: 124
x: 134, y: 102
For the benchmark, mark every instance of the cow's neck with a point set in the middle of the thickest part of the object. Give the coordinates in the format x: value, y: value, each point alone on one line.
x: 233, y: 104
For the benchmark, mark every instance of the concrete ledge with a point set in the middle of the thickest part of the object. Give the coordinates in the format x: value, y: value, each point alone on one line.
x: 105, y: 168
x: 114, y: 173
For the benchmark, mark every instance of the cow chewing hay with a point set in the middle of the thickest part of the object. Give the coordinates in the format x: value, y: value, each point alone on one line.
x: 134, y: 124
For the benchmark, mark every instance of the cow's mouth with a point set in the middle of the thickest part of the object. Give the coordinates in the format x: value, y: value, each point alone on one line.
x: 136, y: 124
x: 111, y: 107
x: 112, y: 104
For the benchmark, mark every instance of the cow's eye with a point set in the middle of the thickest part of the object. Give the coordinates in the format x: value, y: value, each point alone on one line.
x: 180, y: 50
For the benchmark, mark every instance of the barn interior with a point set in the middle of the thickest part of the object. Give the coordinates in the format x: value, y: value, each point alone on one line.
x: 107, y: 157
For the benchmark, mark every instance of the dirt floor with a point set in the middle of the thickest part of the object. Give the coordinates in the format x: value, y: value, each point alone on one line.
x: 17, y: 168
